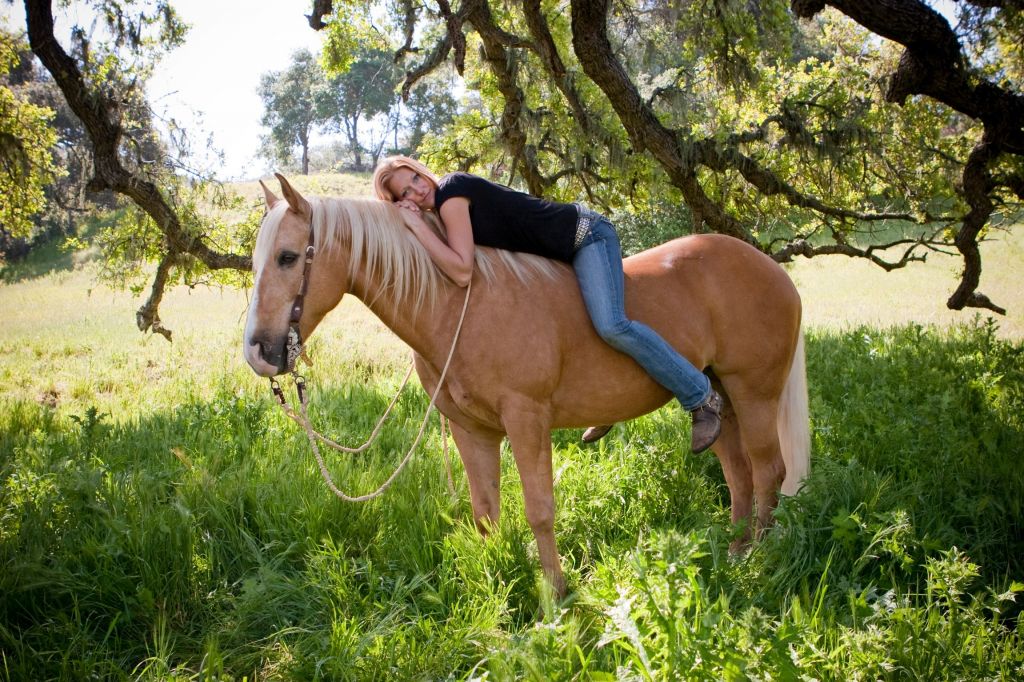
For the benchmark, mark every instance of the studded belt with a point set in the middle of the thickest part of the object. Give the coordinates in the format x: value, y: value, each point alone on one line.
x: 585, y: 219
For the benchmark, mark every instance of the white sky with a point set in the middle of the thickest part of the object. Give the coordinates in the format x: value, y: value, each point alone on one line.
x: 209, y: 84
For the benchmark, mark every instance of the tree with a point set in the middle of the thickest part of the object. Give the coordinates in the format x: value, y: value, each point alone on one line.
x: 303, y: 100
x: 296, y: 102
x: 26, y: 137
x: 96, y: 80
x: 431, y: 109
x: 767, y: 129
x: 67, y: 200
x: 364, y: 90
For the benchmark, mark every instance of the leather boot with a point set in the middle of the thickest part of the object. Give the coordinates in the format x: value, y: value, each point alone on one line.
x: 596, y: 433
x: 707, y: 423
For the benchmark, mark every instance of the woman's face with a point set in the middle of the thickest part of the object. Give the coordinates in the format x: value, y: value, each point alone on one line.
x: 406, y: 184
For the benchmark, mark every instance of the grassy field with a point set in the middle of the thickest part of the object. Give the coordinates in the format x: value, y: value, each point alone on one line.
x: 161, y: 520
x: 840, y: 293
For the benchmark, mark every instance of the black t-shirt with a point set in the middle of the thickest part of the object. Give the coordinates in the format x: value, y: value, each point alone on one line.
x: 507, y: 219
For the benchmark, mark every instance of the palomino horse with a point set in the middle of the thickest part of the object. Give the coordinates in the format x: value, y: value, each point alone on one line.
x: 528, y: 360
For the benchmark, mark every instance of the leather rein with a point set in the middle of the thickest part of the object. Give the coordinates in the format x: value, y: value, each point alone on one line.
x: 293, y: 350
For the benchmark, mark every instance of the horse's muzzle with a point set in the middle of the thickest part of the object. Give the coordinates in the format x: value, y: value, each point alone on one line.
x: 267, y: 358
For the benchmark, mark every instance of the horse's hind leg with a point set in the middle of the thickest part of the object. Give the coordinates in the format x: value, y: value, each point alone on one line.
x: 760, y: 437
x: 480, y: 451
x: 736, y: 467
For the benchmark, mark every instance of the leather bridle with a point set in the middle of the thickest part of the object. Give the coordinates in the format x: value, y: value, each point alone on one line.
x: 293, y: 347
x: 293, y: 344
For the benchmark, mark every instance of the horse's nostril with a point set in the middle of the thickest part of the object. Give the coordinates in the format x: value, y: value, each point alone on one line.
x: 268, y: 353
x: 266, y: 350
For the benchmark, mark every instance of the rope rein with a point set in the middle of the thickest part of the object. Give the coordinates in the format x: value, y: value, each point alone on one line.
x: 302, y: 418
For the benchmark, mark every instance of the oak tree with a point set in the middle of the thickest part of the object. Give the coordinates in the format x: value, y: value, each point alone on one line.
x: 26, y: 138
x: 868, y: 128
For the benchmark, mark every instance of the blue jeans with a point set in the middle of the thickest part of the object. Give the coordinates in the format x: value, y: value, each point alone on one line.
x: 598, y: 266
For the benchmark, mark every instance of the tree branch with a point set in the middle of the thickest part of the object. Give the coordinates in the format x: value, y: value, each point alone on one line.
x: 646, y: 133
x: 769, y: 184
x: 454, y: 22
x: 98, y: 114
x: 451, y: 38
x: 321, y: 8
x: 436, y: 57
x: 802, y: 247
x: 501, y: 64
x: 408, y: 29
x: 933, y: 64
x: 148, y: 316
x: 977, y: 184
x: 545, y: 48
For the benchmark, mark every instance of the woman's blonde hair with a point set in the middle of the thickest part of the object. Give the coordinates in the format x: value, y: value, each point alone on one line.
x: 386, y: 169
x: 522, y: 265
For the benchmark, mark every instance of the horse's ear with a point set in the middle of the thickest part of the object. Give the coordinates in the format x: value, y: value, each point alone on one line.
x: 269, y: 196
x: 291, y: 195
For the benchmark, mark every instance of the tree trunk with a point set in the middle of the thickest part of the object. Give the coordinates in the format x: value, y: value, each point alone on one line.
x: 357, y: 149
x: 304, y: 141
x: 352, y: 133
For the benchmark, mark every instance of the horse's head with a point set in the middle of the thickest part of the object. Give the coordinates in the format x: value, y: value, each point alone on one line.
x: 288, y: 294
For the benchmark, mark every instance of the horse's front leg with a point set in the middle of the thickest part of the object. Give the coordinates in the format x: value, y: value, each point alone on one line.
x: 479, y: 448
x: 529, y: 433
x: 480, y: 451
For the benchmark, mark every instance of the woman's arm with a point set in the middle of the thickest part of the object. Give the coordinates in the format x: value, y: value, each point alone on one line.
x: 456, y: 257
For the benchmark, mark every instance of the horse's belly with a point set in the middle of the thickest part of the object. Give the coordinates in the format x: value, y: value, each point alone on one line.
x: 614, y: 390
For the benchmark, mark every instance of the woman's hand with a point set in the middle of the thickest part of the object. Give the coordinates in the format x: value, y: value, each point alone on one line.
x: 411, y: 215
x: 454, y: 255
x: 409, y: 204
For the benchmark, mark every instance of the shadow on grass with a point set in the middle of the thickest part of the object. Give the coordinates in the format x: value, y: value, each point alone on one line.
x: 43, y: 260
x: 204, y: 536
x: 916, y: 443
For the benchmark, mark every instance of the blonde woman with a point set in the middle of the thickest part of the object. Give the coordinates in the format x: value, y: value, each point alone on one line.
x: 475, y: 211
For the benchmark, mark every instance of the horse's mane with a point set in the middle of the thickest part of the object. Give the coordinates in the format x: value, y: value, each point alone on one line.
x: 379, y: 242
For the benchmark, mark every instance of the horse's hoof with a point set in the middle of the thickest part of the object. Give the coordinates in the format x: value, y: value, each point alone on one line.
x: 596, y: 433
x: 740, y: 547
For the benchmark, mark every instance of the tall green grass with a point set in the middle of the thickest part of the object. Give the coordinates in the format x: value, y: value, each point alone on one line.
x: 173, y: 526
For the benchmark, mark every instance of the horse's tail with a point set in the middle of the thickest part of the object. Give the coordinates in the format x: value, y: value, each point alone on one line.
x: 794, y: 423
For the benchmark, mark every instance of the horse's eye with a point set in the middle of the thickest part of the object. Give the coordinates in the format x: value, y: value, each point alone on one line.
x: 287, y: 258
